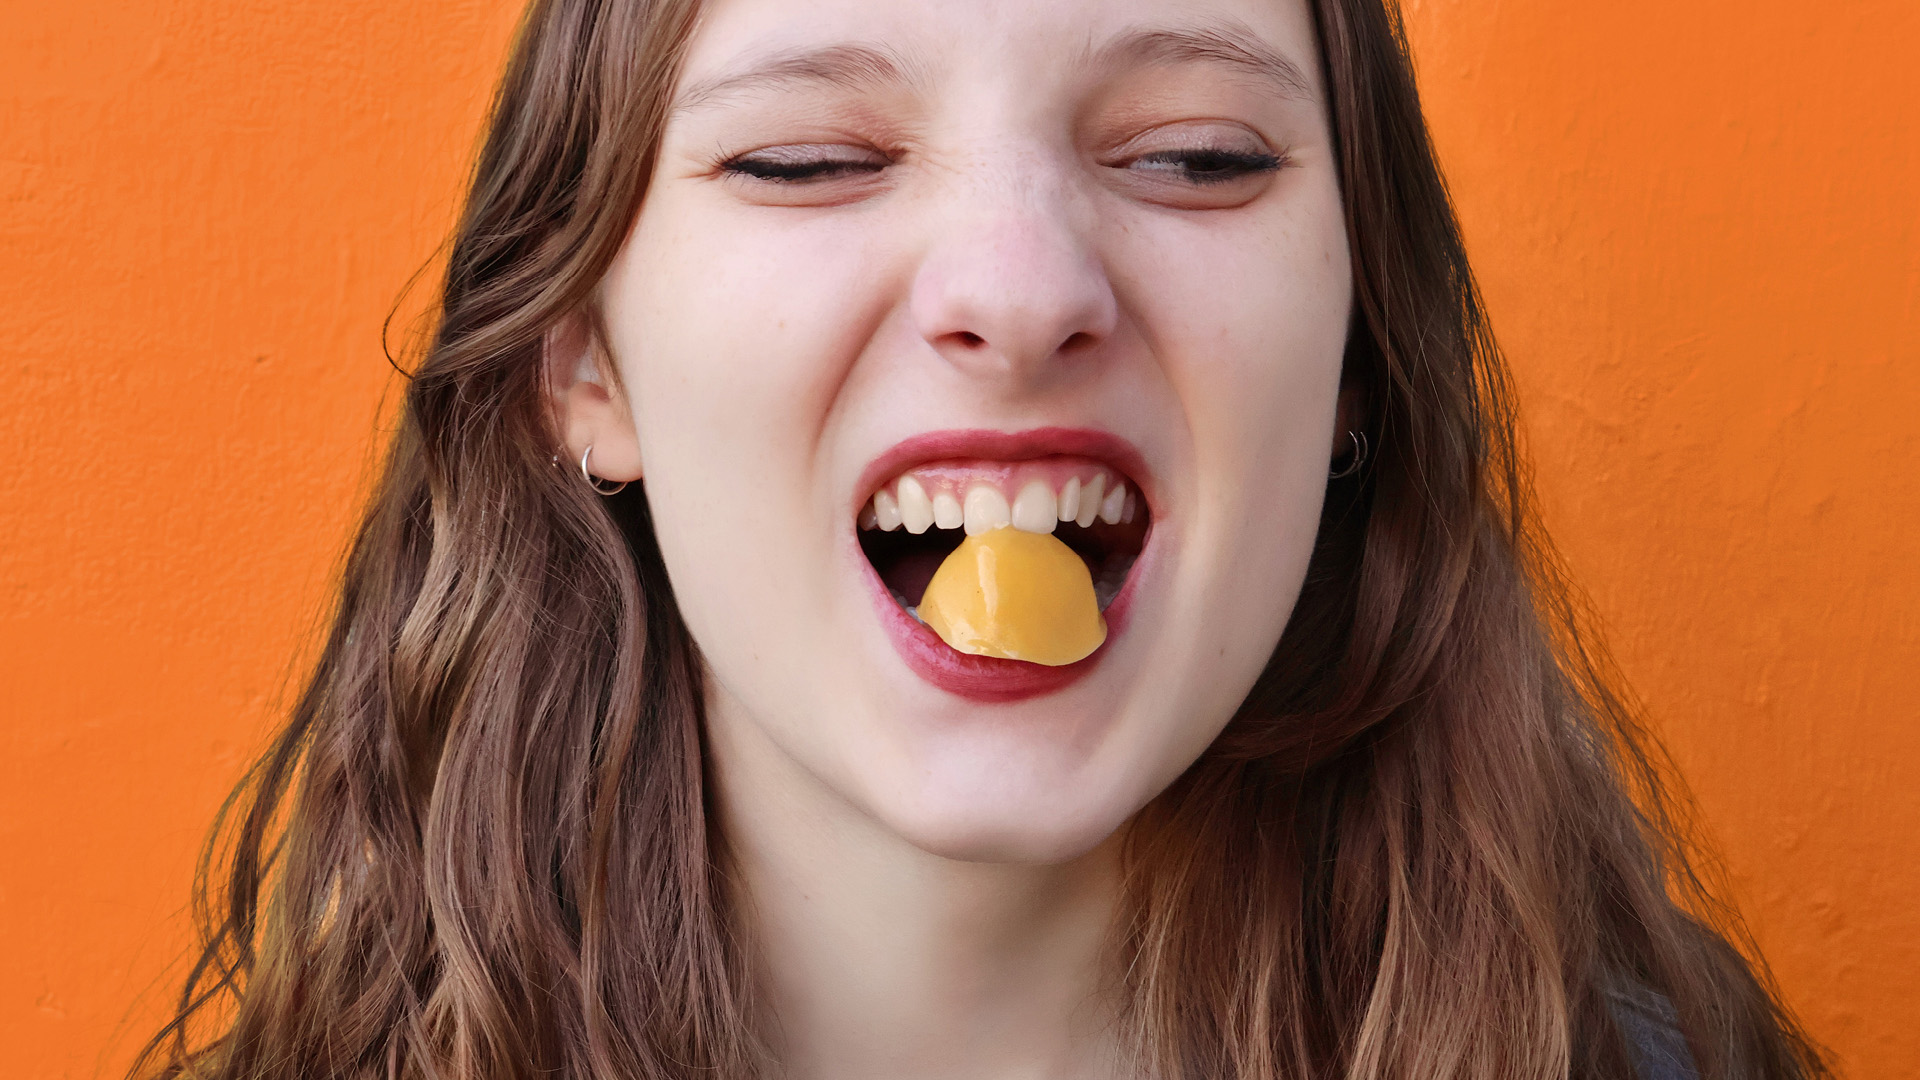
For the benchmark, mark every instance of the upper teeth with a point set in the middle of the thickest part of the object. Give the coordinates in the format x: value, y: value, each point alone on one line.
x: 947, y: 512
x: 981, y: 505
x: 1089, y: 501
x: 886, y: 510
x: 986, y: 509
x: 916, y: 510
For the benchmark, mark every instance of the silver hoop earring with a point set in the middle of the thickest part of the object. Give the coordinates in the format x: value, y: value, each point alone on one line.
x: 1353, y: 464
x: 595, y: 482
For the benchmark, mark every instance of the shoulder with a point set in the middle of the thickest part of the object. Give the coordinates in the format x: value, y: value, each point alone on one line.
x: 1652, y: 1030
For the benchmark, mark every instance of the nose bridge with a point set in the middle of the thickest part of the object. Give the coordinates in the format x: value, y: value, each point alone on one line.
x: 1011, y: 279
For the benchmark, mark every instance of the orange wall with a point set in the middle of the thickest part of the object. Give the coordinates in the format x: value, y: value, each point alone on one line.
x: 1696, y: 225
x: 1698, y: 228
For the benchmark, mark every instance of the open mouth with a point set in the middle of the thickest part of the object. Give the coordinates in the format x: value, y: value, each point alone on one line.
x: 913, y: 521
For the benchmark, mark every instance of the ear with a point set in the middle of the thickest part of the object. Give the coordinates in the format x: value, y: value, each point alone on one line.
x: 588, y: 401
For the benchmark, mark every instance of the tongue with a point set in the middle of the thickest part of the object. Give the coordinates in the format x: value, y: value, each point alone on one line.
x: 1015, y: 595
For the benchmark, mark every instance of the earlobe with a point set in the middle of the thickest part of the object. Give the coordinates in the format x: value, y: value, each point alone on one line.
x: 590, y: 408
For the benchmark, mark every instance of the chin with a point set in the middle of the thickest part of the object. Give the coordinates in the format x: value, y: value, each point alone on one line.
x: 994, y: 837
x: 1001, y: 818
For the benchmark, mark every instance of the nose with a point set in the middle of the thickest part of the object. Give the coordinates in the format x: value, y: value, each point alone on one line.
x: 1012, y: 289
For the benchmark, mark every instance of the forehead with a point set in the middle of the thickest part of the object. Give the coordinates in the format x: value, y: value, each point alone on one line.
x: 747, y: 46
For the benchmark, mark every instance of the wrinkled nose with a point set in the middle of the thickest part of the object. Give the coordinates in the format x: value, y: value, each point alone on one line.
x: 1013, y: 292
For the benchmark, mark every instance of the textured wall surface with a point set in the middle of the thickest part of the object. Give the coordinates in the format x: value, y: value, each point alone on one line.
x: 1696, y: 225
x: 1698, y: 228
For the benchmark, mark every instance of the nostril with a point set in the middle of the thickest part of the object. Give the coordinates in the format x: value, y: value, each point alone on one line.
x: 1076, y: 342
x: 970, y: 339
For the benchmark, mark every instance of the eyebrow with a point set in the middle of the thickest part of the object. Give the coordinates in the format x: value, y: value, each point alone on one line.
x: 857, y: 66
x: 1229, y: 44
x: 849, y: 66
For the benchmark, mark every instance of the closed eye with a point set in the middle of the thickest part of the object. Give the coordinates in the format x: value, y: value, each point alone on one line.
x: 1206, y: 166
x: 803, y: 164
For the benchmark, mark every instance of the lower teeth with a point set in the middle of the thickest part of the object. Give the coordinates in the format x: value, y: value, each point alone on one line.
x: 901, y: 599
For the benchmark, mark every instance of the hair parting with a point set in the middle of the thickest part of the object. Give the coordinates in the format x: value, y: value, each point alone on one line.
x: 1433, y: 843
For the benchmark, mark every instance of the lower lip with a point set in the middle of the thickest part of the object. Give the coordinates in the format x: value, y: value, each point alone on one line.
x: 989, y: 679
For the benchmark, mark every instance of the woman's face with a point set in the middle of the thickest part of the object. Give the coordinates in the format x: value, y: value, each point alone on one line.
x: 984, y: 245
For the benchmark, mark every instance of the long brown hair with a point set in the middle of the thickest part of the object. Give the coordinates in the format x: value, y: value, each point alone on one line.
x: 1431, y: 844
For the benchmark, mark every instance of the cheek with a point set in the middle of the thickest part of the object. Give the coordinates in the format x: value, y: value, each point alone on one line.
x: 736, y: 320
x: 1250, y: 324
x: 1253, y: 322
x: 734, y: 333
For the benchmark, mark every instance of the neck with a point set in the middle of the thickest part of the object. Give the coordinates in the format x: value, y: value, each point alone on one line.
x: 877, y: 959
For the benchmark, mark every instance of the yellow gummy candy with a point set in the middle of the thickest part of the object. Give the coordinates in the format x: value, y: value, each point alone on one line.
x: 1016, y: 595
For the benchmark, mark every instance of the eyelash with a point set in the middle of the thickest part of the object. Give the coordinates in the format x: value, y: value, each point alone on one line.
x: 792, y: 172
x: 1200, y: 167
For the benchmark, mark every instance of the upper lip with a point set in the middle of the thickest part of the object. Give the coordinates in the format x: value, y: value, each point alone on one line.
x: 988, y: 445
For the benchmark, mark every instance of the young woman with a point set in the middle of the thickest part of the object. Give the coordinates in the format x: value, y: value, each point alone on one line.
x: 691, y: 779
